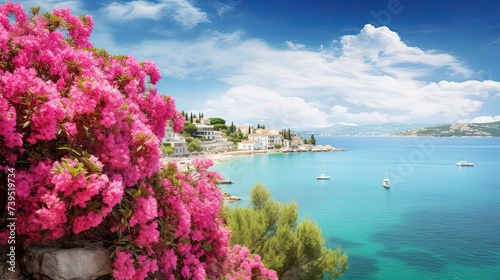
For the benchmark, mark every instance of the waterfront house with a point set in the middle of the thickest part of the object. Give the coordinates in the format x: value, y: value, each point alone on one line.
x: 207, y: 131
x: 250, y: 145
x: 268, y: 140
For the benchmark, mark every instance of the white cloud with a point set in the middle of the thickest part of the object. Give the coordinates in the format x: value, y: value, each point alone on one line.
x: 375, y: 71
x: 186, y: 14
x: 183, y: 12
x: 339, y: 110
x: 363, y: 117
x: 294, y: 46
x: 133, y: 10
x: 384, y: 50
x: 251, y: 104
x: 481, y: 119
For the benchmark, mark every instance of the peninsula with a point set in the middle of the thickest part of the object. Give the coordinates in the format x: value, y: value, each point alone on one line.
x: 456, y: 130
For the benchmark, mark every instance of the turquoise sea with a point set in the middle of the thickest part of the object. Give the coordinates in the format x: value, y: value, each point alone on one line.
x: 437, y: 220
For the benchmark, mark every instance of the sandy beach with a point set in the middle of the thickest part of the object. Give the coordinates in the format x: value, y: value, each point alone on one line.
x: 185, y: 162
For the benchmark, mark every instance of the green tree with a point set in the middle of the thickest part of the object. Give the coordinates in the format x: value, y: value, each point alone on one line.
x: 214, y: 121
x: 166, y: 148
x: 189, y: 129
x: 194, y: 146
x: 313, y: 140
x: 294, y: 250
x: 232, y: 128
x: 220, y: 126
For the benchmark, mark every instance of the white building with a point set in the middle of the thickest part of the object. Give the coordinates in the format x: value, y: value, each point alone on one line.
x: 250, y: 145
x: 268, y: 140
x: 177, y: 142
x: 207, y: 131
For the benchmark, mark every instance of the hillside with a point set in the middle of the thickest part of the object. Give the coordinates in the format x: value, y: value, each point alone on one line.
x: 456, y: 130
x: 362, y: 130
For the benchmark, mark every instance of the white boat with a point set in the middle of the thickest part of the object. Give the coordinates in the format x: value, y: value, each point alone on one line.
x: 387, y: 183
x: 323, y: 176
x: 464, y: 163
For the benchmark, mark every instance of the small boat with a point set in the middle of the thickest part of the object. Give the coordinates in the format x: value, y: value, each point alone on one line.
x: 387, y: 183
x: 464, y: 163
x: 323, y: 176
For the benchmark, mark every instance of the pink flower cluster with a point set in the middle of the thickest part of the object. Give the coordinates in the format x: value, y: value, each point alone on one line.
x: 82, y: 129
x: 247, y: 263
x: 177, y: 225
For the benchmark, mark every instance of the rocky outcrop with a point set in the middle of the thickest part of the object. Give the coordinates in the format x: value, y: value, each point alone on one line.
x: 81, y: 260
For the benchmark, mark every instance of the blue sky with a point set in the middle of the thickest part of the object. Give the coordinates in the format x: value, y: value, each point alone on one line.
x: 312, y: 64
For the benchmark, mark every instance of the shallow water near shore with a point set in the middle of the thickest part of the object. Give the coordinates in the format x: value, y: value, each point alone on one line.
x: 437, y: 220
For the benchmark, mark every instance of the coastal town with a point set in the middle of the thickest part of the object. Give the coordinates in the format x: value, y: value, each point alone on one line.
x: 211, y: 137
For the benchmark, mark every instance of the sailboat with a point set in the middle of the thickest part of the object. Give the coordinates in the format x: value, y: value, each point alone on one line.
x: 323, y: 176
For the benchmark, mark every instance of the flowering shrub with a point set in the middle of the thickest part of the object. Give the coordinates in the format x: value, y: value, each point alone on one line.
x: 82, y: 129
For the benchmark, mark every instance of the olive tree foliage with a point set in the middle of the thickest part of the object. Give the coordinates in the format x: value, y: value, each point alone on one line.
x: 194, y: 146
x: 294, y: 250
x: 189, y: 129
x: 166, y: 148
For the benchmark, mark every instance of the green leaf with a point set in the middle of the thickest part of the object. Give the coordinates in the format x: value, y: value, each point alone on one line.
x: 76, y: 152
x: 35, y: 10
x: 115, y: 214
x: 96, y: 205
x: 137, y: 194
x: 87, y: 163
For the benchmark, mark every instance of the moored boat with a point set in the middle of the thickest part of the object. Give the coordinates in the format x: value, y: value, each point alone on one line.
x: 323, y: 176
x: 464, y: 163
x: 387, y: 183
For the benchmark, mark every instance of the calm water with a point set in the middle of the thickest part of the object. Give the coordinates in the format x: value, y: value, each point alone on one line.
x: 437, y: 221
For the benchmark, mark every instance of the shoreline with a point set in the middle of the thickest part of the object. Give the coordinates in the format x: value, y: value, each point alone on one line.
x: 186, y: 161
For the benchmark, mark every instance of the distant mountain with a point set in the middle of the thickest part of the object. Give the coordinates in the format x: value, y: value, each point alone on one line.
x: 456, y: 130
x: 363, y: 130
